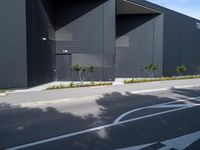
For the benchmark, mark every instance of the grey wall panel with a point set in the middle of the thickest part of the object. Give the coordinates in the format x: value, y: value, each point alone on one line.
x: 88, y: 32
x: 109, y: 39
x: 181, y: 43
x: 88, y: 59
x: 109, y: 27
x: 181, y: 40
x: 67, y: 45
x: 109, y: 73
x: 41, y: 53
x: 13, y: 63
x: 96, y: 76
x: 109, y: 61
x: 142, y: 44
x: 172, y: 47
x: 158, y: 43
x: 85, y: 33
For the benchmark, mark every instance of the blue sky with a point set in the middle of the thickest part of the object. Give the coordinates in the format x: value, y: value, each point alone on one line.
x: 188, y: 7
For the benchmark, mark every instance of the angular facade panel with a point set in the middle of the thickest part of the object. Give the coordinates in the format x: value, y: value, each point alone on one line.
x: 40, y: 46
x: 180, y: 40
x: 41, y: 40
x: 87, y: 32
x: 139, y: 43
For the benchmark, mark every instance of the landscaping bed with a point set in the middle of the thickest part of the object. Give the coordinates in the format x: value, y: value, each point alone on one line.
x: 135, y: 80
x: 72, y: 85
x: 2, y: 91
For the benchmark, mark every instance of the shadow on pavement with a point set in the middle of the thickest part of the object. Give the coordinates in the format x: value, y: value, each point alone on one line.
x: 22, y: 125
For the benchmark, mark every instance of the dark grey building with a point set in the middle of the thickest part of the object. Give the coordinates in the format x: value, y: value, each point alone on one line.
x: 41, y: 39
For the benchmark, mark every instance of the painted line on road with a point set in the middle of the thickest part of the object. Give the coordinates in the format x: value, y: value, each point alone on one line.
x: 140, y: 147
x: 186, y: 86
x: 115, y: 123
x: 164, y: 89
x: 153, y: 115
x: 179, y: 143
x: 135, y: 110
x: 163, y: 105
x: 148, y: 91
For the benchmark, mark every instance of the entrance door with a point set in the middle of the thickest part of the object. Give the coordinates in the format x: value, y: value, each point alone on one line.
x: 63, y: 67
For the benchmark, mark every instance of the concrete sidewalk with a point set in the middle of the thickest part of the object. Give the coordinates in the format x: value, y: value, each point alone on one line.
x: 84, y: 93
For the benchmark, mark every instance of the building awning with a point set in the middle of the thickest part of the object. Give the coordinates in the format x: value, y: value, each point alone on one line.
x: 129, y: 7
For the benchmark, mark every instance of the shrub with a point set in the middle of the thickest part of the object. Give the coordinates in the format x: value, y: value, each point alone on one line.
x: 71, y: 85
x: 181, y: 69
x: 150, y: 69
x: 83, y: 71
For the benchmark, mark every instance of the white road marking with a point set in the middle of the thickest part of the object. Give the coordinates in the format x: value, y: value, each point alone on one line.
x: 147, y: 91
x: 135, y: 110
x: 186, y: 86
x: 137, y: 147
x: 163, y: 105
x: 59, y: 137
x: 174, y: 106
x: 152, y: 115
x: 115, y: 123
x: 179, y: 143
x: 182, y: 142
x: 165, y: 89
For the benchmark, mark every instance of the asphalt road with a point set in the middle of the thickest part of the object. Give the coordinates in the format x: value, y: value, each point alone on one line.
x: 163, y: 120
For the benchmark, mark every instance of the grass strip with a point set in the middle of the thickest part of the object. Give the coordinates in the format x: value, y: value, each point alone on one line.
x: 71, y: 85
x: 2, y: 91
x: 160, y: 79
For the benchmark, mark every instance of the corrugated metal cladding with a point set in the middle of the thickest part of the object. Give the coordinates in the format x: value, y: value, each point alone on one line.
x: 86, y: 29
x: 41, y: 45
x: 42, y: 38
x: 181, y: 43
x: 13, y: 72
x: 139, y: 43
x: 181, y: 40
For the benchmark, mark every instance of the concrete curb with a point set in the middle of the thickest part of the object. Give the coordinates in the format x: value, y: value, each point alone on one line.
x: 94, y: 97
x: 44, y: 87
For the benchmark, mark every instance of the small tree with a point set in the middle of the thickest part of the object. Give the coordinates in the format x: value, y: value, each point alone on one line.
x: 181, y: 69
x: 150, y: 69
x: 83, y: 71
